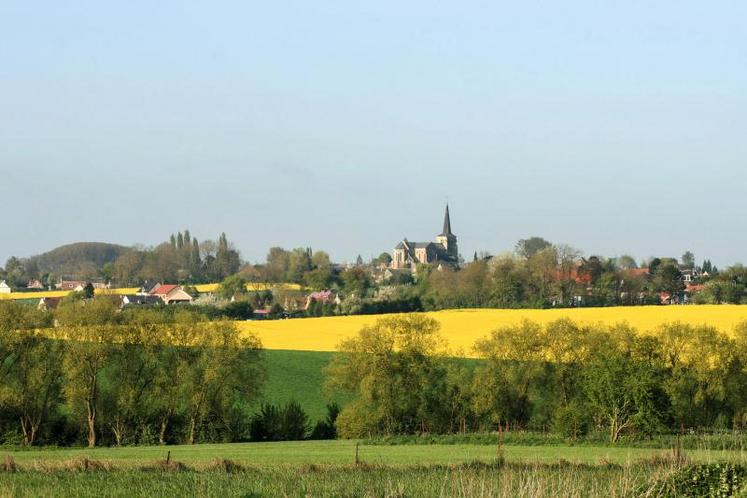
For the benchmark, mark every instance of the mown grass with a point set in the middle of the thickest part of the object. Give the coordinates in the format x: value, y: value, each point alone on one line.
x: 342, y: 452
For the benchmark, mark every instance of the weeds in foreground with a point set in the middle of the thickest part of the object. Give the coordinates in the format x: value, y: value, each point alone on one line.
x: 225, y: 465
x: 8, y: 465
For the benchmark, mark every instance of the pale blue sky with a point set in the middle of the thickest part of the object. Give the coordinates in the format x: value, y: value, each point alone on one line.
x: 616, y: 127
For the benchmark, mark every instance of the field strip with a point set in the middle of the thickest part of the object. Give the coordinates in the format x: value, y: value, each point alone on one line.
x: 462, y: 328
x: 342, y: 452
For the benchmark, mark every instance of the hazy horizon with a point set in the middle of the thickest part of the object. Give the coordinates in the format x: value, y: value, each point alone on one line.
x: 612, y: 128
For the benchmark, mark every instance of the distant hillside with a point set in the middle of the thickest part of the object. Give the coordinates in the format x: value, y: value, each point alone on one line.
x: 80, y: 259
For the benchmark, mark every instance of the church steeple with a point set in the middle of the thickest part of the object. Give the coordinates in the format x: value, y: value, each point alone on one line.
x: 447, y: 239
x: 447, y: 223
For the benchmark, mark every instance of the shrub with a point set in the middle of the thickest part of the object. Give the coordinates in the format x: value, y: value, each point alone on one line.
x: 326, y: 429
x: 289, y: 423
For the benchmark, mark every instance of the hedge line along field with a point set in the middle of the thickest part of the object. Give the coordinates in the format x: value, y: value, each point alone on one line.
x: 463, y: 327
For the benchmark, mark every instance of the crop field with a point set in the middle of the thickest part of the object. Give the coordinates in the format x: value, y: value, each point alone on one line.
x: 18, y: 296
x: 462, y: 328
x: 252, y: 287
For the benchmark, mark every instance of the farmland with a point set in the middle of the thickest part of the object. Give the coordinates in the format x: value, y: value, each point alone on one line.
x: 462, y: 328
x: 327, y: 468
x: 22, y: 296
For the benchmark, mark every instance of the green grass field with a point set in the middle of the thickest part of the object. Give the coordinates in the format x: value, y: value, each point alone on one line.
x: 342, y: 452
x: 326, y: 468
x: 462, y: 481
x: 299, y: 376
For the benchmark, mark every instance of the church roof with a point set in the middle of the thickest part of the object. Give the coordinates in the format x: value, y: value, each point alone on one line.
x: 447, y: 224
x: 414, y: 245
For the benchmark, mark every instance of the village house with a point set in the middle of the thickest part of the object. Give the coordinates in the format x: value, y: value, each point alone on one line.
x: 5, y: 288
x: 323, y: 297
x: 79, y: 285
x: 135, y: 299
x: 35, y: 285
x: 171, y: 294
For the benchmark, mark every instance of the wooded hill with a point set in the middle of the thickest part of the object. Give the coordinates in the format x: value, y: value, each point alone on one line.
x: 77, y: 258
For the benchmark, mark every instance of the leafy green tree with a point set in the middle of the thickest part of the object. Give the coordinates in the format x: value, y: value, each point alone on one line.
x: 88, y: 352
x: 232, y: 286
x: 227, y: 368
x: 698, y: 360
x: 626, y: 262
x: 384, y: 259
x: 276, y: 267
x: 319, y: 278
x: 299, y: 263
x: 688, y: 260
x: 392, y: 369
x: 239, y: 310
x: 131, y: 375
x: 527, y: 248
x: 37, y: 383
x: 503, y: 385
x: 356, y: 281
x: 667, y: 277
x: 227, y: 259
x: 621, y: 391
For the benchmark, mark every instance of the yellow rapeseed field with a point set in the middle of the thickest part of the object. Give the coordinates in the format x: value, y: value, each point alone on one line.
x: 254, y: 287
x: 59, y: 293
x: 462, y: 328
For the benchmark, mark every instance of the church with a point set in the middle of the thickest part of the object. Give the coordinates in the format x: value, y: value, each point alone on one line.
x: 444, y: 250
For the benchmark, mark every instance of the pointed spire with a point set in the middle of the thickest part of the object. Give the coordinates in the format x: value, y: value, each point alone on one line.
x: 447, y: 223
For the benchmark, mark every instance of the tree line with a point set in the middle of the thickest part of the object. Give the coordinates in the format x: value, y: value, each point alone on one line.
x: 181, y: 259
x: 99, y: 379
x: 560, y: 377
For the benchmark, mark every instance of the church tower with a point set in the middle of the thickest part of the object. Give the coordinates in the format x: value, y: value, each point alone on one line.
x: 447, y: 239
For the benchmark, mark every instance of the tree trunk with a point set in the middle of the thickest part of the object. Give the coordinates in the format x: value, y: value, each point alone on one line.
x: 162, y: 433
x: 192, y: 425
x: 91, y: 420
x: 92, y: 430
x: 29, y: 430
x: 118, y: 431
x: 91, y: 415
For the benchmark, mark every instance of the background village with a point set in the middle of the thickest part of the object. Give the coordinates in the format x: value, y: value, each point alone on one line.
x: 415, y: 276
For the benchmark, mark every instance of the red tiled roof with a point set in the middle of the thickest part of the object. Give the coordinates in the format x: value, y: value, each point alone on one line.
x: 163, y: 290
x: 575, y: 275
x: 637, y: 272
